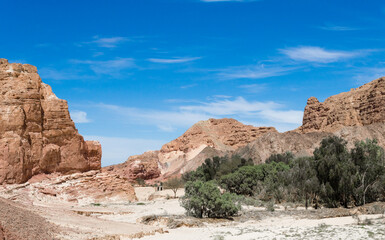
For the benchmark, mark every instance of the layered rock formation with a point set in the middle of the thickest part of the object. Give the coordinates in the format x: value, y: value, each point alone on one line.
x: 355, y: 115
x: 359, y: 107
x: 84, y: 188
x: 203, y: 140
x: 37, y: 134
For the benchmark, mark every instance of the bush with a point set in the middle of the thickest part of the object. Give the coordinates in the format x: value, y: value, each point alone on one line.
x: 286, y: 158
x: 204, y: 199
x: 215, y: 168
x: 243, y: 181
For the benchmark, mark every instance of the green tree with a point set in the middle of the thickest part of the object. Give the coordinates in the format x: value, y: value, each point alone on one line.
x: 335, y: 172
x: 304, y: 178
x: 204, y: 199
x: 368, y: 158
x: 280, y: 157
x: 174, y: 184
x: 243, y: 181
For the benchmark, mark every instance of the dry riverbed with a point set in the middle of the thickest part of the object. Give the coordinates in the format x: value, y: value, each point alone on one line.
x: 156, y: 215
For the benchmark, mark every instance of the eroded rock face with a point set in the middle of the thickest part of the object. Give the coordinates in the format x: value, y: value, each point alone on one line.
x: 359, y: 107
x: 37, y: 134
x: 205, y: 139
x: 355, y: 116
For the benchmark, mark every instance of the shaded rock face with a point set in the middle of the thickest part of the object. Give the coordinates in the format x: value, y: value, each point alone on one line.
x: 37, y: 134
x: 359, y: 107
x: 203, y: 140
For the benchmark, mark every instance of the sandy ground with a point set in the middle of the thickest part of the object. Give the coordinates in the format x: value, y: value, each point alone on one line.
x: 125, y: 220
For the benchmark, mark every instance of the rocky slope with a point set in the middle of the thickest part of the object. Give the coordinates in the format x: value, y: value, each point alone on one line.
x: 204, y: 139
x: 37, y: 134
x: 359, y: 107
x: 355, y: 115
x: 19, y: 223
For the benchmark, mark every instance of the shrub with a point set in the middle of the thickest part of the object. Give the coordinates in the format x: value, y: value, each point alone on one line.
x: 216, y: 167
x: 204, y: 199
x: 286, y: 158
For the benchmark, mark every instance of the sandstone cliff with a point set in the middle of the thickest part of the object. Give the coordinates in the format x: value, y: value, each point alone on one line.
x: 203, y: 140
x: 37, y: 134
x: 359, y: 107
x: 355, y: 115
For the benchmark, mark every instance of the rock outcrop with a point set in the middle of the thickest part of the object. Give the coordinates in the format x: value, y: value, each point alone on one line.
x: 359, y: 107
x: 84, y: 188
x: 37, y: 134
x: 355, y: 115
x: 203, y: 140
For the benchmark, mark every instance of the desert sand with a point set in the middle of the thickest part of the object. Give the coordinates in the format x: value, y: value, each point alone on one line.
x: 157, y: 215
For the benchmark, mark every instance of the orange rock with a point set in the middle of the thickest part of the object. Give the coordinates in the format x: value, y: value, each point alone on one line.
x: 358, y: 107
x: 205, y: 139
x: 37, y: 134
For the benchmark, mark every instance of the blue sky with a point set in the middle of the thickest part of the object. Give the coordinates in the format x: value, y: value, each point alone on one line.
x: 137, y: 74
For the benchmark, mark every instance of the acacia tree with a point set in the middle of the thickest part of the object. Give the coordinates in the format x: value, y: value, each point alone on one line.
x: 174, y: 184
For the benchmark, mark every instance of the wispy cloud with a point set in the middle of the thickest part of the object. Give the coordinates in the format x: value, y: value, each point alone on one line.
x: 187, y: 115
x: 253, y: 88
x: 229, y: 0
x: 79, y: 116
x: 254, y: 72
x: 338, y: 28
x: 365, y: 75
x: 108, y: 67
x: 173, y: 60
x: 58, y: 75
x: 318, y: 54
x: 109, y: 42
x: 188, y: 86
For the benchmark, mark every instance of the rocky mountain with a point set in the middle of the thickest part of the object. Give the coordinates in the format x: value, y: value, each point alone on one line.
x: 355, y: 115
x: 203, y: 140
x: 37, y: 134
x: 358, y: 107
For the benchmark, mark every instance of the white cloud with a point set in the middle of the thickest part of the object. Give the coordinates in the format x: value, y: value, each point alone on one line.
x: 173, y: 60
x: 317, y: 54
x: 338, y: 28
x: 64, y: 74
x: 270, y: 113
x: 161, y: 119
x: 229, y: 0
x: 79, y: 116
x: 254, y: 72
x: 116, y: 150
x: 109, y: 67
x: 188, y: 86
x: 366, y: 75
x: 253, y: 88
x: 111, y: 42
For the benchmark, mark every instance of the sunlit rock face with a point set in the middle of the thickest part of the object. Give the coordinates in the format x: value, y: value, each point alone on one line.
x: 355, y: 115
x: 37, y: 134
x: 205, y: 139
x: 359, y: 107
